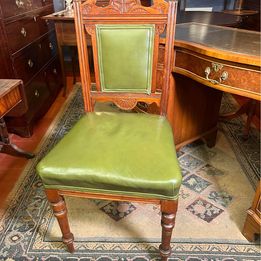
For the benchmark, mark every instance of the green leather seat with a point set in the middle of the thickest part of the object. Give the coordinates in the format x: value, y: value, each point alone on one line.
x: 115, y: 153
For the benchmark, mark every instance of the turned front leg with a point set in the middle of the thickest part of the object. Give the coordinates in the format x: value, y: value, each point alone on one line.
x: 169, y: 210
x: 60, y: 212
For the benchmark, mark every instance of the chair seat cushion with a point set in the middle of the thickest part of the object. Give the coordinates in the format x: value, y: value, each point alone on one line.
x: 115, y: 153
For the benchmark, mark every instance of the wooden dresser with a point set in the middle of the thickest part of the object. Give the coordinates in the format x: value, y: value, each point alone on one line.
x: 28, y: 52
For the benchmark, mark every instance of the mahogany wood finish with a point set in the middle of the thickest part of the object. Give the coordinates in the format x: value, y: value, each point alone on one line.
x: 11, y: 94
x: 162, y: 14
x: 253, y: 220
x: 28, y: 51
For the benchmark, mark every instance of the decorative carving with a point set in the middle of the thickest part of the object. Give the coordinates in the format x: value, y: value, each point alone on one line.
x: 125, y: 104
x: 124, y: 7
x: 160, y: 28
x: 90, y: 29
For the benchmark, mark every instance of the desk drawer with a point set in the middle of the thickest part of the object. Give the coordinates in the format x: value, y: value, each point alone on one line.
x: 217, y: 74
x: 23, y: 31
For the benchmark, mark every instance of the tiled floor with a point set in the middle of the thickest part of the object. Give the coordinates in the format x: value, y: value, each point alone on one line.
x: 11, y: 167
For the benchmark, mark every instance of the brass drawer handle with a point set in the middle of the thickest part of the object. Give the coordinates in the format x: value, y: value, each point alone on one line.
x: 216, y: 68
x: 51, y: 46
x: 35, y: 18
x: 36, y: 93
x: 23, y: 31
x: 30, y: 63
x: 19, y: 3
x: 224, y: 76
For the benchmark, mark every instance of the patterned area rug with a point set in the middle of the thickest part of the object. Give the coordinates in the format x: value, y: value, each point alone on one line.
x: 216, y: 192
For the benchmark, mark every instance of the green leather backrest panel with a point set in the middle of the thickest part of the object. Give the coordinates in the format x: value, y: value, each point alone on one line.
x: 125, y: 54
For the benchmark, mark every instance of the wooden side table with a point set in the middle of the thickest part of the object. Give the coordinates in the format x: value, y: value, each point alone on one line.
x: 10, y: 96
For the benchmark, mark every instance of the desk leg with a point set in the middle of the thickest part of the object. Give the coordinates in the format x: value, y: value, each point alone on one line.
x: 249, y: 109
x: 7, y: 147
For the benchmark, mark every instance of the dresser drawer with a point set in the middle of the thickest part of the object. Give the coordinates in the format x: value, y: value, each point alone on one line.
x: 30, y: 60
x: 23, y: 31
x: 15, y: 7
x: 217, y: 73
x: 26, y: 63
x: 37, y: 92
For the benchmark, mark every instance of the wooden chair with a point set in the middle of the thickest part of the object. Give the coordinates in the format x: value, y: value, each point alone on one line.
x: 119, y: 156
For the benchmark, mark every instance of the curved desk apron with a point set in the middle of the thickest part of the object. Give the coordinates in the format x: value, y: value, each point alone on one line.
x: 225, y: 59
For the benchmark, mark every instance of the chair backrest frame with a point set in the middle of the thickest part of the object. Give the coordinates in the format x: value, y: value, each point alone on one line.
x: 161, y: 14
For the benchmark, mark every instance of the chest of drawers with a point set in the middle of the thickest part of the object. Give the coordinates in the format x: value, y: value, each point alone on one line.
x: 28, y: 52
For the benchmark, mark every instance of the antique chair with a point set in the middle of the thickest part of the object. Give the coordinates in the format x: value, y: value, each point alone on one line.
x: 119, y: 156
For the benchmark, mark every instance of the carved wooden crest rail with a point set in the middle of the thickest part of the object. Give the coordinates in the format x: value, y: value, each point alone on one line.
x: 123, y: 7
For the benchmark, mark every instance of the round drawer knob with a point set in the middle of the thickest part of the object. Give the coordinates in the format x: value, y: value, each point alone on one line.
x: 23, y: 31
x: 51, y: 46
x: 36, y: 93
x: 35, y: 18
x: 54, y: 71
x: 30, y: 63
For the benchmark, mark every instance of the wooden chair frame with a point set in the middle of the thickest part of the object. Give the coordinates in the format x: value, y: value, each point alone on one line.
x: 130, y: 11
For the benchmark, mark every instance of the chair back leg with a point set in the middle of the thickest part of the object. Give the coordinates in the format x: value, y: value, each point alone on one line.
x: 168, y: 210
x: 60, y: 212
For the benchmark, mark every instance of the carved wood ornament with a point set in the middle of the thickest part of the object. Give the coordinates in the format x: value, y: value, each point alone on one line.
x: 125, y: 104
x: 124, y: 7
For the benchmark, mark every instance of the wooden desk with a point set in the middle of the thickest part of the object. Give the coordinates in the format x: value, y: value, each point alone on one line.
x: 10, y: 96
x: 204, y: 55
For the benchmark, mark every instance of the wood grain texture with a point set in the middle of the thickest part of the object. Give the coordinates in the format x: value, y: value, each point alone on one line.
x: 242, y: 80
x: 9, y: 95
